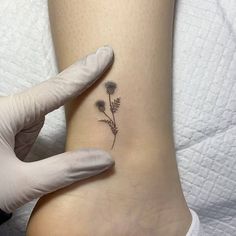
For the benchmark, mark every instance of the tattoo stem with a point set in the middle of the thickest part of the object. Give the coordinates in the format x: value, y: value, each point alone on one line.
x: 114, y: 120
x: 107, y: 116
x: 111, y: 109
x: 113, y: 141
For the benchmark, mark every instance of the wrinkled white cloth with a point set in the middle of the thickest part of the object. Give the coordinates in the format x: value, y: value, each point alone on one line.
x: 21, y: 119
x: 205, y: 110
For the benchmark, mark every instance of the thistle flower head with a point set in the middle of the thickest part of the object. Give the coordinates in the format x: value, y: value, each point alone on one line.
x: 110, y: 86
x: 100, y: 104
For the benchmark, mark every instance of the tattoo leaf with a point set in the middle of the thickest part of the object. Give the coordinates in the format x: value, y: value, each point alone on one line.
x: 105, y: 121
x: 115, y: 105
x: 111, y: 124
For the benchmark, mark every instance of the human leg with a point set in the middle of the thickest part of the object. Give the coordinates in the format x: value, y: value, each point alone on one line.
x: 143, y: 194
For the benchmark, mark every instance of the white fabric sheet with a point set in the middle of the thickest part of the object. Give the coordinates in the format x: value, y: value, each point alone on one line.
x: 204, y: 93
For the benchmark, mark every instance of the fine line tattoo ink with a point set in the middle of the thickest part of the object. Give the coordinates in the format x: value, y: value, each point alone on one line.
x: 114, y: 105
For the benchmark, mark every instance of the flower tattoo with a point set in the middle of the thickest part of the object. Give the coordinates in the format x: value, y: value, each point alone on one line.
x: 114, y: 105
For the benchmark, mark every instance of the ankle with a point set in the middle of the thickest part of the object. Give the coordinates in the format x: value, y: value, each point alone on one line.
x: 151, y: 222
x: 175, y: 222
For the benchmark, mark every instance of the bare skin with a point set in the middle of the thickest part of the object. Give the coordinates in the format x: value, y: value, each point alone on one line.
x: 142, y: 195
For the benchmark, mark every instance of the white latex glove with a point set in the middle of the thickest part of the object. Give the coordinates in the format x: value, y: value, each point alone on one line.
x: 21, y: 118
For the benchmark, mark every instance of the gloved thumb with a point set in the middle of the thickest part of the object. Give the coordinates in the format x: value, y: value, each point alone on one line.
x: 41, y: 177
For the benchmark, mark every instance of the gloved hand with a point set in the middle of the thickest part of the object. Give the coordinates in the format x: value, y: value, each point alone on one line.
x: 21, y: 118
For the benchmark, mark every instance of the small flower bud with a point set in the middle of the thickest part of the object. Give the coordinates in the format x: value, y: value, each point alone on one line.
x: 110, y: 86
x: 100, y: 104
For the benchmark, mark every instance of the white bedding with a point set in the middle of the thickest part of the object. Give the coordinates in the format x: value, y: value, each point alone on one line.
x: 204, y: 94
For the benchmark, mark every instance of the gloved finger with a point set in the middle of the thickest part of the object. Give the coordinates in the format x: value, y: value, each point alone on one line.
x: 25, y: 139
x: 51, y: 94
x: 55, y: 172
x: 30, y: 180
x: 60, y: 170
